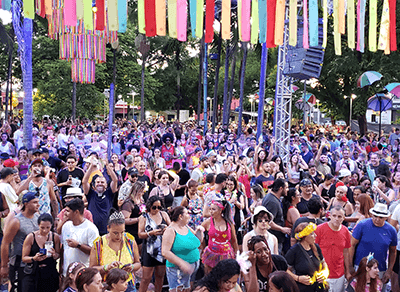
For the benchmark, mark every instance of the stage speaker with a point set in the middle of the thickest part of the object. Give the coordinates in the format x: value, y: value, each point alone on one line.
x: 303, y: 63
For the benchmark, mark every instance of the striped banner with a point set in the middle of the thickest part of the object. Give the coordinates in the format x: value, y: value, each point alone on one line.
x: 161, y: 13
x: 279, y: 22
x: 149, y: 17
x: 262, y: 20
x: 271, y: 10
x: 246, y: 20
x: 182, y: 20
x: 172, y: 28
x: 123, y: 15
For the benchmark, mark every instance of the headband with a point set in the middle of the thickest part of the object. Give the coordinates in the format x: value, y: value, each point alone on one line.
x: 219, y: 204
x: 72, y: 267
x: 310, y: 228
x: 370, y: 257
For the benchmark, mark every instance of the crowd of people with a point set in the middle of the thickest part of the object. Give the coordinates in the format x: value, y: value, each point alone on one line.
x: 178, y: 210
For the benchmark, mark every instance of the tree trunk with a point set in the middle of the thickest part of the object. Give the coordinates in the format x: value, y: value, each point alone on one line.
x: 178, y: 81
x: 232, y: 83
x: 226, y: 80
x: 73, y: 101
x: 199, y: 88
x: 215, y: 101
x: 362, y: 124
x: 142, y: 118
x: 8, y: 91
x: 242, y: 74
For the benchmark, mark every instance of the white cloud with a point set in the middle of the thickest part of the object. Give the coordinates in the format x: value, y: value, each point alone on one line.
x: 5, y: 16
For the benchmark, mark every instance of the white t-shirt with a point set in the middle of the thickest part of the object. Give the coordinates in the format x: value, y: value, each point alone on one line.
x: 84, y: 233
x: 18, y: 138
x: 10, y: 195
x: 62, y: 140
x: 396, y: 216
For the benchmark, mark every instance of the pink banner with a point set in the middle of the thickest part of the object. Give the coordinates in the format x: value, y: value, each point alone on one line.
x: 70, y: 12
x: 245, y: 20
x: 181, y: 11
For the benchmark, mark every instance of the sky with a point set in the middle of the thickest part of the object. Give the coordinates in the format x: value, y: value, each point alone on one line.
x: 5, y: 16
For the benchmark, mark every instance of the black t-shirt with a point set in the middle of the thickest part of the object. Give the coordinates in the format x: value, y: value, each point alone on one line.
x: 304, y: 262
x: 184, y: 177
x: 54, y: 162
x: 272, y: 204
x: 144, y: 178
x: 265, y: 182
x: 100, y: 207
x: 317, y: 221
x: 77, y: 176
x: 280, y: 264
x: 302, y: 206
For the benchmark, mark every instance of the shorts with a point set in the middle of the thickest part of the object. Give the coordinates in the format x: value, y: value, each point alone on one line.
x: 176, y: 278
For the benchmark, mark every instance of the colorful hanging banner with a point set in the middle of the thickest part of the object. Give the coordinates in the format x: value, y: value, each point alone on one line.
x: 279, y: 22
x: 141, y: 21
x: 351, y: 22
x: 305, y: 25
x: 372, y: 25
x: 245, y: 20
x: 336, y: 32
x: 362, y: 25
x: 384, y: 42
x: 123, y: 15
x: 342, y: 15
x: 161, y: 24
x: 88, y: 14
x: 271, y: 10
x: 313, y: 21
x: 325, y: 22
x: 182, y: 20
x: 6, y: 5
x: 70, y: 12
x: 40, y: 9
x: 254, y: 22
x: 100, y: 15
x: 226, y: 19
x: 393, y: 38
x: 199, y: 18
x: 79, y: 9
x: 262, y: 20
x: 209, y: 34
x: 149, y: 17
x: 293, y: 22
x: 48, y: 9
x: 172, y: 24
x: 192, y: 11
x: 29, y: 9
x: 112, y: 9
x: 239, y: 15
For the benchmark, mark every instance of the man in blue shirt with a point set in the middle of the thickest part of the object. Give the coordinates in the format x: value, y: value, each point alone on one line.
x: 375, y: 235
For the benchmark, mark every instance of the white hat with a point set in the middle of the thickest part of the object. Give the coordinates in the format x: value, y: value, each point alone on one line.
x: 73, y: 192
x: 260, y: 209
x: 344, y: 172
x: 380, y: 210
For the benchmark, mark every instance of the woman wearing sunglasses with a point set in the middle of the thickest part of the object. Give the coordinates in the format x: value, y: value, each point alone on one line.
x: 151, y: 228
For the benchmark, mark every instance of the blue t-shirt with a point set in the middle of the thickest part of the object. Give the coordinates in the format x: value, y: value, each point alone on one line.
x: 374, y: 239
x: 100, y: 208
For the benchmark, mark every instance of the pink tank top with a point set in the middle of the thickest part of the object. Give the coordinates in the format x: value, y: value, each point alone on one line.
x: 219, y: 241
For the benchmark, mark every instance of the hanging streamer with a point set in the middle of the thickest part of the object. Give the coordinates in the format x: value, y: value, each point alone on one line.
x: 29, y: 9
x: 313, y: 20
x: 40, y: 10
x: 149, y: 17
x: 351, y: 22
x: 279, y: 22
x: 372, y: 25
x: 245, y: 20
x: 161, y: 18
x: 336, y: 32
x: 362, y: 25
x: 325, y: 22
x: 199, y: 18
x: 192, y: 10
x: 79, y: 9
x: 384, y: 41
x: 393, y: 39
x: 271, y: 10
x: 48, y: 9
x: 292, y: 22
x: 182, y: 20
x: 141, y: 21
x: 305, y: 25
x: 209, y: 35
x: 342, y: 15
x: 88, y: 14
x: 112, y: 14
x: 226, y: 19
x: 254, y: 22
x: 6, y: 5
x: 100, y: 15
x: 262, y: 20
x: 239, y: 14
x: 70, y: 12
x: 172, y: 29
x: 123, y: 15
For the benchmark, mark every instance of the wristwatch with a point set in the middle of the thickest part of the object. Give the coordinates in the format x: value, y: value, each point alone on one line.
x: 78, y: 246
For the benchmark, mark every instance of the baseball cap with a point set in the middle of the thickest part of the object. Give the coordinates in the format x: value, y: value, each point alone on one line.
x: 133, y: 171
x: 344, y: 173
x: 4, y: 156
x: 305, y: 182
x: 29, y: 196
x: 39, y: 160
x: 6, y: 171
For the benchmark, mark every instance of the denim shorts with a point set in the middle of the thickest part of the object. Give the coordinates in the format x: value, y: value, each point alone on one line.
x: 176, y: 278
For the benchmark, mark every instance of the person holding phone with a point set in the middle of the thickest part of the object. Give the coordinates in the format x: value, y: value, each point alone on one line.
x: 40, y: 252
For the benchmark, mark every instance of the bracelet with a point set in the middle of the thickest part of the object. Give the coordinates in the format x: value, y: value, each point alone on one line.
x: 105, y: 268
x: 298, y: 278
x: 78, y: 246
x: 32, y: 260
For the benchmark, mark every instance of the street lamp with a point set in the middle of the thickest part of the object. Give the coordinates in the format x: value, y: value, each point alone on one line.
x: 251, y: 99
x: 353, y: 96
x: 210, y: 99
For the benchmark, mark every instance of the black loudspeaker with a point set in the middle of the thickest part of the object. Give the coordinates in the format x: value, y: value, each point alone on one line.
x: 303, y: 63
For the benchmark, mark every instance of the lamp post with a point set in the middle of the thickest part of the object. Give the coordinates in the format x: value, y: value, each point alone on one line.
x: 251, y: 99
x: 353, y: 96
x: 210, y: 99
x: 133, y: 104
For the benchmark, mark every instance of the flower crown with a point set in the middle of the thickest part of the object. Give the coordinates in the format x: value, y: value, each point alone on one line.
x: 310, y: 228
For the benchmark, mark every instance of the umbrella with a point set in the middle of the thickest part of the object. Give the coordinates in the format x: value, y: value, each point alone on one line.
x: 294, y: 88
x: 302, y: 106
x: 367, y: 78
x: 379, y: 102
x: 311, y: 98
x: 393, y: 88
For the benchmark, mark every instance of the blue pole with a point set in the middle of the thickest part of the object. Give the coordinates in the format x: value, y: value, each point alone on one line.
x: 263, y: 74
x: 110, y: 119
x: 205, y: 87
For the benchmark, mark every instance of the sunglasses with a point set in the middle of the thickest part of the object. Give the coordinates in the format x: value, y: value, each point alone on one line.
x: 156, y: 207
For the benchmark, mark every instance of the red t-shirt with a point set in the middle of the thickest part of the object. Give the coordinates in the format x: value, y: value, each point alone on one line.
x: 167, y: 154
x: 332, y: 244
